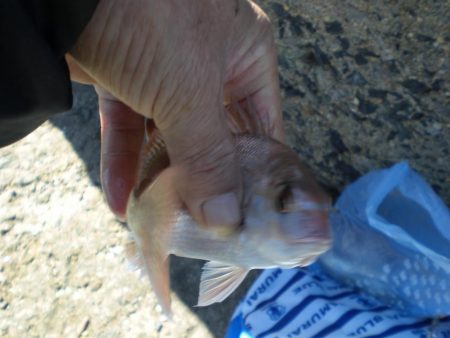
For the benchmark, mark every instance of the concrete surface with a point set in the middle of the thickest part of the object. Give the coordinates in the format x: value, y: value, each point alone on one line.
x: 366, y: 84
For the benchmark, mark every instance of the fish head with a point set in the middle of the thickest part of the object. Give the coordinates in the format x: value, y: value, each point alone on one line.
x: 286, y: 211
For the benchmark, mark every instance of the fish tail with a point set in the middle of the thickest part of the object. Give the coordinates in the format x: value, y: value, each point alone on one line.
x: 156, y: 262
x: 151, y: 217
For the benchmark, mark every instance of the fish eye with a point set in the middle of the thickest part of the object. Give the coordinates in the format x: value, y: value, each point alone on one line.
x: 284, y: 200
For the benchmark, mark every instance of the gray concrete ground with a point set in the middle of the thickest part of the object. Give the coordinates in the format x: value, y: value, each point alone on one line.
x: 63, y: 271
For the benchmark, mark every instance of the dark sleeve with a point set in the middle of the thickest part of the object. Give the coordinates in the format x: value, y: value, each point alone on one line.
x: 34, y: 78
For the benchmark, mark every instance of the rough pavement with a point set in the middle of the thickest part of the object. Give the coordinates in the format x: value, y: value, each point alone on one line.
x: 63, y: 271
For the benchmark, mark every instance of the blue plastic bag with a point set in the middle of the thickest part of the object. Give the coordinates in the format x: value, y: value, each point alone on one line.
x: 308, y: 303
x: 389, y: 267
x: 391, y: 238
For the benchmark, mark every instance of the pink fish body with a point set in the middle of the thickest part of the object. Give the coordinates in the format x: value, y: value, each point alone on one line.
x: 285, y: 220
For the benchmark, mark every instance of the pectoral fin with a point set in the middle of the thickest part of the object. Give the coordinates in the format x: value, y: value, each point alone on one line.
x: 218, y: 281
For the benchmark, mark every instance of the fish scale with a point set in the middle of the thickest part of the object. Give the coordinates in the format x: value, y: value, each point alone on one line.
x: 285, y: 211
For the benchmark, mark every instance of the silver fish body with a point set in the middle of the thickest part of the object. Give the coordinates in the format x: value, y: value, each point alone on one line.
x: 285, y: 222
x: 243, y: 248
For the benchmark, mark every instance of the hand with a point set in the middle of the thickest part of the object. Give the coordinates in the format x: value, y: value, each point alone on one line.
x: 176, y: 61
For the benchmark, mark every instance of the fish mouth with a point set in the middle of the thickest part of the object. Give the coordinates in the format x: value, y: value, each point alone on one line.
x: 306, y: 251
x: 319, y: 240
x: 313, y: 206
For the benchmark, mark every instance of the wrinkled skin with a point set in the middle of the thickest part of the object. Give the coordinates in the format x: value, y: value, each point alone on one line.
x: 176, y: 61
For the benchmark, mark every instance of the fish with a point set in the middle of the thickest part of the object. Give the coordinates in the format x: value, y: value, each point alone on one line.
x: 285, y: 214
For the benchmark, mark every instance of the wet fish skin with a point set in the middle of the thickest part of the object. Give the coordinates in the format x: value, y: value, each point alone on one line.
x: 285, y: 218
x: 267, y: 237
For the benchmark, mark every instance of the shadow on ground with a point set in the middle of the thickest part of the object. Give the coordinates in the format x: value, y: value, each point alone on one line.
x: 185, y: 279
x: 81, y: 127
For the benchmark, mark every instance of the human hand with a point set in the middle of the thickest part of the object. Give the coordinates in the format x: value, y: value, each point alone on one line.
x: 176, y: 62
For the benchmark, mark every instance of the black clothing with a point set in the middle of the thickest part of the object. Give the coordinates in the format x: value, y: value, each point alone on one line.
x: 34, y: 78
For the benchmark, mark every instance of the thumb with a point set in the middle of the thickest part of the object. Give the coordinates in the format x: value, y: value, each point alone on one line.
x: 201, y: 147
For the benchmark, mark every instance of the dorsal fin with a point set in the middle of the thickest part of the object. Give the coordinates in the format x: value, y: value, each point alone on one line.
x: 154, y: 158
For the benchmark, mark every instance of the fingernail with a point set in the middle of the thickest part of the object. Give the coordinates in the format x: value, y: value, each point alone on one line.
x: 222, y: 210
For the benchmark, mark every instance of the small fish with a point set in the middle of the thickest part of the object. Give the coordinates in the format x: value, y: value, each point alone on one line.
x: 285, y: 213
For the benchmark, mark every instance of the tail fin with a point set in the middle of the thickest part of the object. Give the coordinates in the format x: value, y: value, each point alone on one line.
x: 151, y: 216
